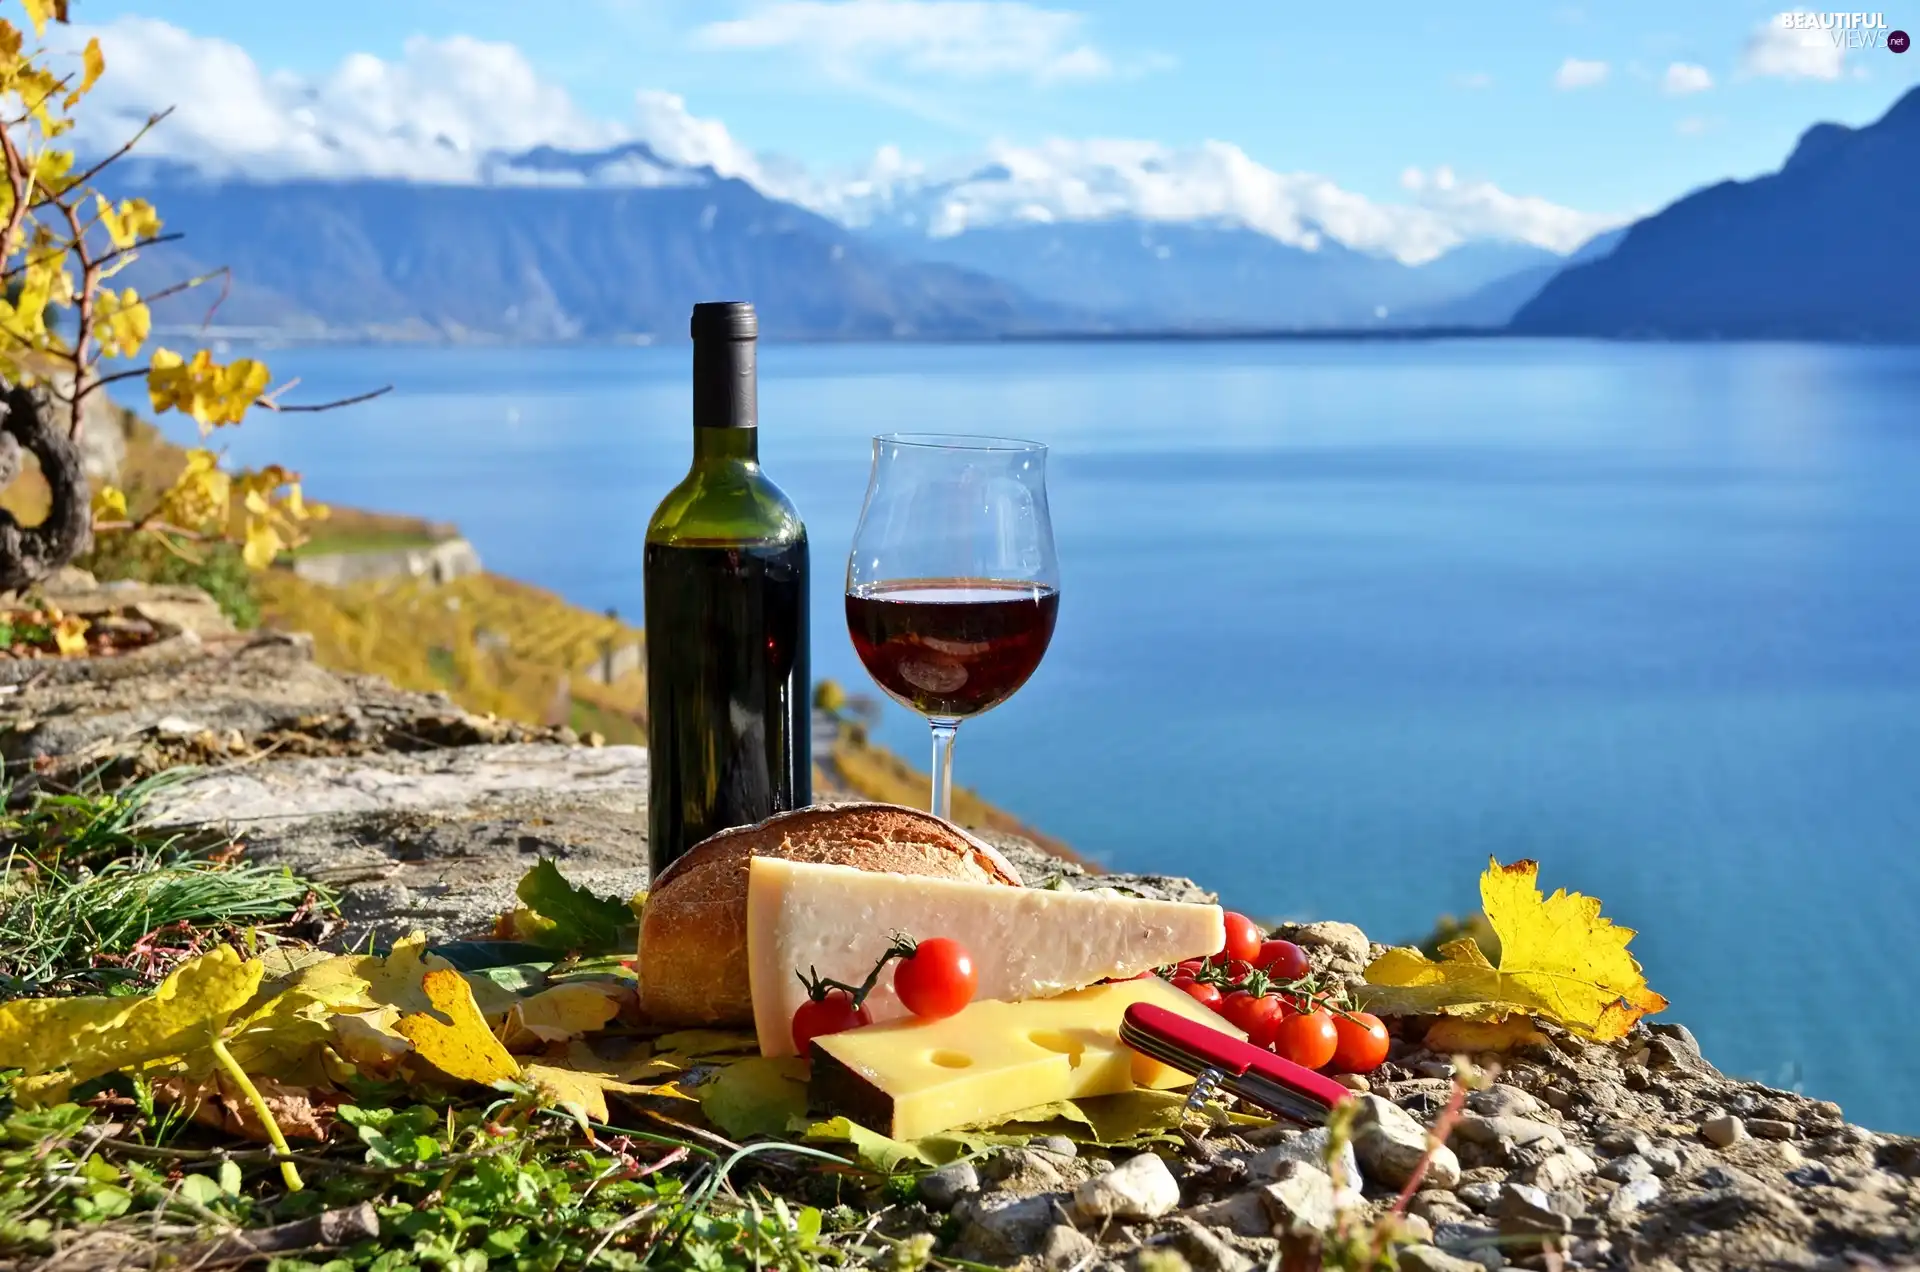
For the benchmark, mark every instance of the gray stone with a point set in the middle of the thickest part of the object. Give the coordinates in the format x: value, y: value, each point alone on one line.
x: 1139, y: 1188
x: 1630, y: 1167
x: 1618, y: 1141
x: 1558, y: 1171
x: 1664, y: 1158
x: 1301, y: 1197
x: 1633, y: 1195
x: 1812, y: 1175
x: 1437, y: 1206
x: 1481, y: 1195
x: 1001, y: 1227
x: 1243, y: 1213
x: 1464, y: 1237
x: 1505, y: 1133
x: 1309, y: 1147
x: 1723, y: 1130
x: 1390, y: 1146
x: 1426, y: 1258
x: 943, y: 1187
x: 1206, y: 1252
x: 1528, y: 1211
x: 1063, y: 1246
x: 1505, y: 1100
x: 1434, y: 1068
x: 1338, y: 940
x: 1024, y: 1171
x: 1058, y: 1145
x: 1772, y: 1129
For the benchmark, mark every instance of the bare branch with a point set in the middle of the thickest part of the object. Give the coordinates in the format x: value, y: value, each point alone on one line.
x: 83, y: 317
x: 153, y: 121
x: 335, y: 405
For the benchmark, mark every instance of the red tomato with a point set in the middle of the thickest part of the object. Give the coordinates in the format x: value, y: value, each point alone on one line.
x: 829, y: 1015
x: 1361, y: 1043
x: 1206, y: 995
x: 1255, y: 1015
x: 1307, y: 1040
x: 937, y: 979
x: 1282, y: 960
x: 1243, y: 940
x: 1192, y: 966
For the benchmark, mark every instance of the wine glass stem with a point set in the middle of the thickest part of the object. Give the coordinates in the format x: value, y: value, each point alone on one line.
x: 943, y: 731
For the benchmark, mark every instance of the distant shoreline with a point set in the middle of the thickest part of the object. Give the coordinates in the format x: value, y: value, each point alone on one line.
x: 259, y: 339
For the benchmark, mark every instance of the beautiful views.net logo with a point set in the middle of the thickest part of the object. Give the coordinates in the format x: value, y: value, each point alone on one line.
x: 1850, y: 30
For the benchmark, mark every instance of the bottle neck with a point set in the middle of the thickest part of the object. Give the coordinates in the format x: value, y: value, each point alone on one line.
x: 725, y: 445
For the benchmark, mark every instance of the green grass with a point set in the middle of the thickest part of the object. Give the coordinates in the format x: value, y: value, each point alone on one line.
x: 91, y: 901
x: 215, y: 568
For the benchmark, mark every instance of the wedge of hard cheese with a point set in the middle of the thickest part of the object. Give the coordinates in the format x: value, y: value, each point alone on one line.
x: 1025, y: 942
x: 915, y: 1077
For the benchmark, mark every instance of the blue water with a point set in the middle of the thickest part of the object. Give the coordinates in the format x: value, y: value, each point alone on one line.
x: 1338, y: 621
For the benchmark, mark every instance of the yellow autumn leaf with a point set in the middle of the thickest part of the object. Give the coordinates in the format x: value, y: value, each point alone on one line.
x: 263, y: 543
x: 579, y: 1082
x: 110, y: 504
x: 1558, y: 959
x: 121, y: 322
x: 453, y: 1036
x: 91, y: 1036
x: 93, y: 64
x: 1455, y: 1035
x: 127, y: 222
x: 561, y: 1013
x: 367, y: 1041
x: 40, y: 12
x: 70, y: 635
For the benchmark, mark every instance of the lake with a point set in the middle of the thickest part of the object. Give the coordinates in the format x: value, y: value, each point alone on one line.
x: 1339, y: 620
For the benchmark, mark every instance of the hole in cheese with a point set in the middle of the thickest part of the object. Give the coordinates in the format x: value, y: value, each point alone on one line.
x: 950, y: 1059
x: 1058, y: 1040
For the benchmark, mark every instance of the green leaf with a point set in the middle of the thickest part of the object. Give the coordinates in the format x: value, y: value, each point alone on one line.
x: 880, y: 1153
x: 755, y: 1096
x: 482, y: 956
x: 582, y: 922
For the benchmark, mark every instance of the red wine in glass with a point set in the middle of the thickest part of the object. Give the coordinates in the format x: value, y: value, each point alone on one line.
x: 951, y: 647
x: 952, y: 582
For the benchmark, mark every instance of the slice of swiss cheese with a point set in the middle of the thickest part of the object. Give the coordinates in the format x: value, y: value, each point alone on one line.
x: 910, y: 1078
x: 1025, y: 942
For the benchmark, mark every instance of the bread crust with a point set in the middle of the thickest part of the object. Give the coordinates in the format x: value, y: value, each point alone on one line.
x: 693, y: 932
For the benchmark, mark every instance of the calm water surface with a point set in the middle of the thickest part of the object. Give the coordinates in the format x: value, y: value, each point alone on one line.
x: 1340, y: 621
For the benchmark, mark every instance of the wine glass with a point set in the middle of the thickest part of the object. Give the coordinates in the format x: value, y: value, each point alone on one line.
x: 952, y: 584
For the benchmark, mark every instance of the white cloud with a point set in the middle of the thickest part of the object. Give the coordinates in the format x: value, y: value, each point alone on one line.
x: 961, y: 39
x: 446, y: 109
x: 1784, y: 48
x: 1575, y: 73
x: 1062, y: 180
x: 1686, y: 77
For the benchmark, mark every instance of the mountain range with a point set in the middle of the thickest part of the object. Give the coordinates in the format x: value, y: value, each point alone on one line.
x: 619, y: 243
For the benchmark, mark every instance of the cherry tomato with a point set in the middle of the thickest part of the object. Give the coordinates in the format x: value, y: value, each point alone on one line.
x: 1361, y: 1043
x: 1282, y: 960
x: 1307, y: 1040
x: 1257, y: 1016
x: 1192, y: 966
x: 1243, y: 940
x: 1206, y: 995
x: 829, y: 1015
x: 937, y: 979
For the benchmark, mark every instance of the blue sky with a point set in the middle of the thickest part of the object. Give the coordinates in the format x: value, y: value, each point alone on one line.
x: 1603, y: 108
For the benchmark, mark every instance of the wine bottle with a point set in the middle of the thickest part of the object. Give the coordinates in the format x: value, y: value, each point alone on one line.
x: 728, y: 710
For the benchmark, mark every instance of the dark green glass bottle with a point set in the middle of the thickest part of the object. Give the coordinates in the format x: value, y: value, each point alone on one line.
x: 726, y: 616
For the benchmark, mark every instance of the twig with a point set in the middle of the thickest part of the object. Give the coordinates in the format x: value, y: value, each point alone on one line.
x: 153, y: 121
x: 336, y: 404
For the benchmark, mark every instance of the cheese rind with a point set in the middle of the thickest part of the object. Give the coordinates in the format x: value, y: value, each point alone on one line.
x: 910, y: 1078
x: 1025, y: 942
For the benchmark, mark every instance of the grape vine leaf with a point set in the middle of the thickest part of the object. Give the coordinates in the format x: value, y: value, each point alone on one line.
x: 755, y: 1096
x: 90, y: 1036
x: 1558, y: 959
x: 581, y: 921
x: 563, y: 1012
x: 453, y: 1037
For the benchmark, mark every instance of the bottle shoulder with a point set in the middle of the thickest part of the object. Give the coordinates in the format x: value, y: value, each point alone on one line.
x: 732, y: 503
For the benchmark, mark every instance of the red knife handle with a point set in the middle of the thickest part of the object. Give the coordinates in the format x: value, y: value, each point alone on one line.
x: 1208, y: 1048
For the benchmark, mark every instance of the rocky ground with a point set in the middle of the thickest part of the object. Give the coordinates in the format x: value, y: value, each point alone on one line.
x: 1636, y: 1154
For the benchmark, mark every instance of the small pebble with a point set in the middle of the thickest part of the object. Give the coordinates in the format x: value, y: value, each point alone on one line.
x: 1058, y: 1145
x: 1353, y: 1082
x: 1664, y: 1159
x: 1811, y: 1176
x: 1772, y: 1129
x: 1434, y: 1068
x: 1618, y: 1141
x: 1527, y: 1211
x: 1624, y: 1169
x: 1632, y: 1195
x: 1481, y: 1195
x: 1723, y: 1131
x: 943, y: 1187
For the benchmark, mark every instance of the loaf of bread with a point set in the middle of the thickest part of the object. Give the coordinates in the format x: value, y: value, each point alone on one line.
x: 693, y: 932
